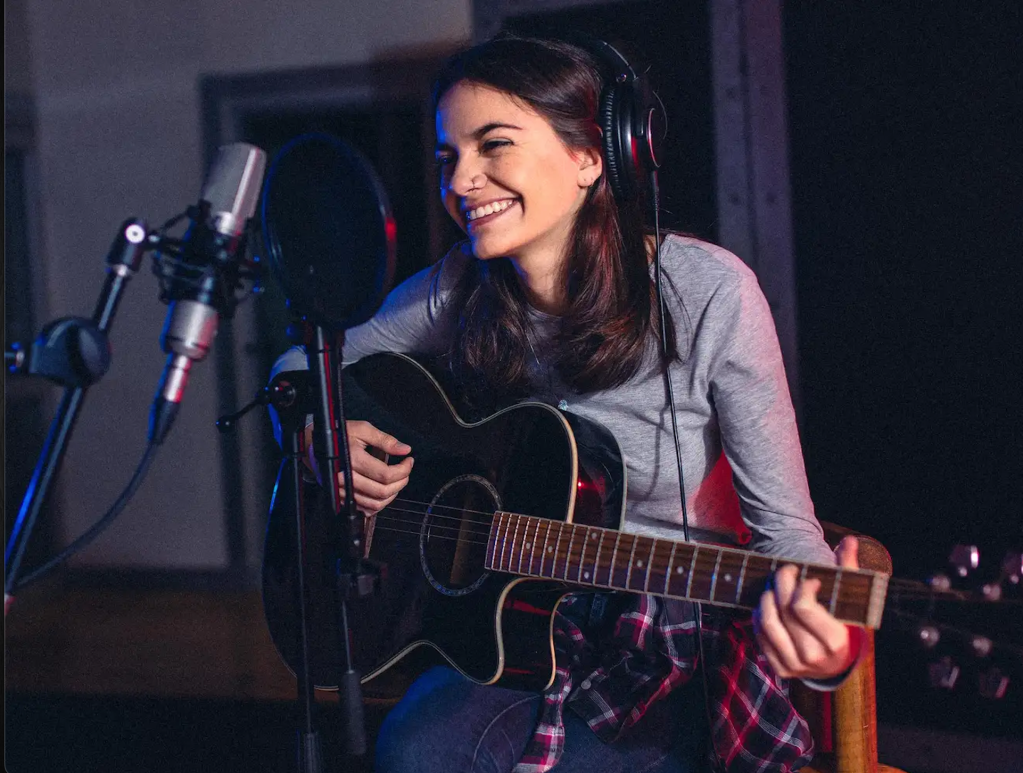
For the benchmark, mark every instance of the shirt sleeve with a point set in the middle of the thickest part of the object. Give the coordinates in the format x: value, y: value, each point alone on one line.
x: 413, y: 319
x: 758, y: 426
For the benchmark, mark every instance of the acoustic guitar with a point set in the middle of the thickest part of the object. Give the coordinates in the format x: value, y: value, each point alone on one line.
x: 500, y: 520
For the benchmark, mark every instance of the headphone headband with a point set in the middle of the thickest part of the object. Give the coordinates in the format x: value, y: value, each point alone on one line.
x: 628, y: 116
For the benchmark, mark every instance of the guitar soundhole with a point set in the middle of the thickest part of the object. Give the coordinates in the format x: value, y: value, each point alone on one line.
x: 453, y: 539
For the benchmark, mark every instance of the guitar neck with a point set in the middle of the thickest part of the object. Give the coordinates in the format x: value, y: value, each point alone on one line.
x: 593, y: 557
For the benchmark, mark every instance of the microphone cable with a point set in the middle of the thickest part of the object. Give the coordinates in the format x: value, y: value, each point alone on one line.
x: 96, y: 529
x: 655, y: 195
x: 168, y: 268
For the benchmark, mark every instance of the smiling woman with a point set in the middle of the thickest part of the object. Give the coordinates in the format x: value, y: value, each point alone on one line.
x: 552, y: 299
x: 511, y: 182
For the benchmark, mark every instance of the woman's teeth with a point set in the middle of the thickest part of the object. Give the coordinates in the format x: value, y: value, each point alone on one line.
x: 489, y: 209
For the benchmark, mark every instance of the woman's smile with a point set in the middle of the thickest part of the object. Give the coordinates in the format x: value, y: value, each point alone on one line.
x: 487, y: 213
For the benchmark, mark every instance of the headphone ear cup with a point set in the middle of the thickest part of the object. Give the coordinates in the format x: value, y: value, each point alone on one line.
x: 609, y: 140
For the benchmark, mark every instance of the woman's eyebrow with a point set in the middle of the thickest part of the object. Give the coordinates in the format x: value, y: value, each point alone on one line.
x: 482, y: 132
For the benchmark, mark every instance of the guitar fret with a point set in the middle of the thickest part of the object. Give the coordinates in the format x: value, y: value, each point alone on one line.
x: 532, y: 546
x: 596, y: 563
x: 649, y: 563
x: 527, y: 544
x: 582, y: 554
x: 671, y: 562
x: 614, y: 560
x: 519, y: 544
x: 516, y: 544
x: 622, y: 565
x: 546, y: 549
x: 729, y: 570
x: 492, y: 541
x: 714, y: 575
x: 568, y: 550
x: 557, y: 549
x: 692, y: 566
x: 742, y: 577
x: 834, y: 590
x: 512, y: 550
x: 504, y: 541
x: 632, y: 554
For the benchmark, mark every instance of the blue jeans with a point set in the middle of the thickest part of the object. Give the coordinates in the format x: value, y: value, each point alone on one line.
x: 449, y: 724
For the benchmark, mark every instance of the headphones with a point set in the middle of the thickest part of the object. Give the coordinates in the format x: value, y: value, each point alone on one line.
x: 630, y: 116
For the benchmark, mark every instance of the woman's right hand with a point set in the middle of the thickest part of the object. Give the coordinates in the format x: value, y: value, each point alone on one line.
x: 377, y: 483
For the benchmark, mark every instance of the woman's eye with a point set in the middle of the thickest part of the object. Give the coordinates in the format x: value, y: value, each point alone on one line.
x: 441, y: 161
x: 495, y: 144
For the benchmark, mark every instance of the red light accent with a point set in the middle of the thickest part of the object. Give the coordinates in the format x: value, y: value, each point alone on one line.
x: 391, y: 229
x: 522, y: 606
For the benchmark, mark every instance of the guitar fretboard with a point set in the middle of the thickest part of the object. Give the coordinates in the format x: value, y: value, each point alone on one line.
x: 604, y: 558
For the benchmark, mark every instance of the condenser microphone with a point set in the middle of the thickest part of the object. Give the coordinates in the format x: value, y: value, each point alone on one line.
x: 201, y: 280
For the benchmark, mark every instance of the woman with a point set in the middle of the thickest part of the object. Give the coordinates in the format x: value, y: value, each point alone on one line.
x: 552, y: 299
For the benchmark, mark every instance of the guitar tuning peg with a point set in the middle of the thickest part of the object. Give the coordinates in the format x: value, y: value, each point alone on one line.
x: 991, y: 591
x: 981, y: 646
x: 1012, y: 566
x: 943, y: 673
x: 993, y: 683
x: 965, y: 558
x: 940, y: 583
x: 928, y: 636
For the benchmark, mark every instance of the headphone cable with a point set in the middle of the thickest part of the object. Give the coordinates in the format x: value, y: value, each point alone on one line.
x: 661, y: 316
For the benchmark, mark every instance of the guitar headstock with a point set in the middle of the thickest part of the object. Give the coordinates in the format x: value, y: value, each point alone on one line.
x: 944, y: 614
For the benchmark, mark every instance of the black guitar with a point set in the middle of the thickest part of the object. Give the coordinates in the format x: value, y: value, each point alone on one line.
x: 499, y: 521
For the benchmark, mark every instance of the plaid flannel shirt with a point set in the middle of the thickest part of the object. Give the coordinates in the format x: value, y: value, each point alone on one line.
x: 651, y: 651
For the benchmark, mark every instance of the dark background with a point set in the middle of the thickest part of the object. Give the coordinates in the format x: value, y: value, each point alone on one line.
x: 907, y: 194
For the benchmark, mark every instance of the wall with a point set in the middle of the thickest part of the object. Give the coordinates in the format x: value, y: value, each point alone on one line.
x: 118, y: 134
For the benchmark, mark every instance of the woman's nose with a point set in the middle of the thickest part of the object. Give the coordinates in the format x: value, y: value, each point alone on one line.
x: 466, y: 178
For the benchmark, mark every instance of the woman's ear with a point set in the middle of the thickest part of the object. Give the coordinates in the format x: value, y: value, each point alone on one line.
x: 591, y: 165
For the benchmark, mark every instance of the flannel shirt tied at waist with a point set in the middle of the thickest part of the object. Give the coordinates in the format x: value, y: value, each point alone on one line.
x: 649, y: 650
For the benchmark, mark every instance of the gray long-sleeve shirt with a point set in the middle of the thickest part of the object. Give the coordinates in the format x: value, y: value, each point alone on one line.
x: 744, y: 477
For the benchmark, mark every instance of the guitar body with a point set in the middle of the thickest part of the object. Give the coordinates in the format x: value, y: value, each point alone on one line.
x: 436, y: 601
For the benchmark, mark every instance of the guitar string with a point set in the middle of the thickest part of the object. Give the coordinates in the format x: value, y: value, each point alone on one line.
x: 562, y: 558
x: 910, y: 589
x: 894, y: 582
x: 854, y: 594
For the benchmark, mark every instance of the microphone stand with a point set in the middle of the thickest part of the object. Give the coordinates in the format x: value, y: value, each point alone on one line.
x: 295, y: 395
x: 74, y: 352
x: 290, y: 395
x: 354, y: 576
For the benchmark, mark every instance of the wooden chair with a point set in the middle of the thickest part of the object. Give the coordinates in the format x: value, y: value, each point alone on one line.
x: 844, y: 722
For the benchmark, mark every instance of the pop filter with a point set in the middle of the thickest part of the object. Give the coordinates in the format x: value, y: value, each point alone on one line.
x: 328, y: 230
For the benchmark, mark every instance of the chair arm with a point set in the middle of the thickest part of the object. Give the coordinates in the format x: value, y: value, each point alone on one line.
x: 844, y: 722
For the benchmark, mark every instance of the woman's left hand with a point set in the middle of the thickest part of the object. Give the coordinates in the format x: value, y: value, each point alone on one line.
x: 797, y: 634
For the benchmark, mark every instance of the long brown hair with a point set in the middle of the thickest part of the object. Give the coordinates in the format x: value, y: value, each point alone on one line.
x: 612, y: 314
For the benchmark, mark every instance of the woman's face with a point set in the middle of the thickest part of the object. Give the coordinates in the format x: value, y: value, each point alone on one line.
x: 507, y: 178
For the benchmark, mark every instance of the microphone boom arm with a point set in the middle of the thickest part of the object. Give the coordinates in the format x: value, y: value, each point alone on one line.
x: 123, y: 262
